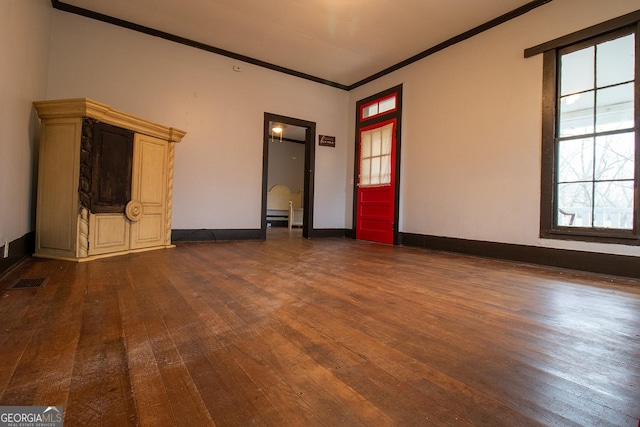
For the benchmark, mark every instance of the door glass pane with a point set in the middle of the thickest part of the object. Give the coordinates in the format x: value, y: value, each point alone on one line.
x: 385, y: 170
x: 615, y: 108
x: 365, y: 172
x: 614, y: 205
x: 575, y: 160
x: 574, y: 205
x: 365, y: 145
x: 376, y: 159
x: 376, y: 142
x: 375, y: 170
x: 386, y: 138
x: 577, y: 71
x: 576, y: 114
x: 615, y: 157
x: 616, y: 61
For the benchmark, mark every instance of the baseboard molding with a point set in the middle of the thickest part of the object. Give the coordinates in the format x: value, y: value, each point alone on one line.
x: 203, y: 235
x: 327, y: 232
x: 601, y: 263
x: 18, y: 249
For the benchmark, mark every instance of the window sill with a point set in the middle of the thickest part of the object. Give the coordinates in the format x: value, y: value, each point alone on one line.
x: 594, y: 236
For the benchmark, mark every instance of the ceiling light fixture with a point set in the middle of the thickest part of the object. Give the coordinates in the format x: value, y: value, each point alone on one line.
x: 277, y: 129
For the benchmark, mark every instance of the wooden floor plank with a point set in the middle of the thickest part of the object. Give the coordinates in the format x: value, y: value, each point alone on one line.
x: 85, y: 405
x: 20, y: 310
x: 320, y: 332
x: 152, y: 401
x: 43, y: 344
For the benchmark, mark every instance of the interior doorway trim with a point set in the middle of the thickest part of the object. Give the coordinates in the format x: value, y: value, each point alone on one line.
x: 309, y: 170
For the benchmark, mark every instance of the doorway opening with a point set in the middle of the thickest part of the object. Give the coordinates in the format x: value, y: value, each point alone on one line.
x: 377, y: 167
x: 287, y: 173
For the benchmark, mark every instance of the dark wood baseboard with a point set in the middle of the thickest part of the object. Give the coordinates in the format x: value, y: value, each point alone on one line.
x: 617, y: 265
x: 327, y: 232
x: 202, y: 235
x: 18, y: 249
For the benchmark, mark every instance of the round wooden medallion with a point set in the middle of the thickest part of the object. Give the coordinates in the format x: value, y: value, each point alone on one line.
x: 133, y: 210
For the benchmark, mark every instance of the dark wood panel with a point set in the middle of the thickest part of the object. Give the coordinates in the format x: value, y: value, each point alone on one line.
x: 323, y: 332
x: 112, y: 161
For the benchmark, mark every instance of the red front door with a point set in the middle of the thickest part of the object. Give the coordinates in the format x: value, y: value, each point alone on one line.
x: 375, y: 218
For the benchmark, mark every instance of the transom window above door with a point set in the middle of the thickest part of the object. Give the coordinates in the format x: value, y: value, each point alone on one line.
x: 379, y: 107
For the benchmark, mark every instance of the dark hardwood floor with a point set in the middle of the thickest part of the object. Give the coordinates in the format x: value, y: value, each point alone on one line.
x: 325, y: 332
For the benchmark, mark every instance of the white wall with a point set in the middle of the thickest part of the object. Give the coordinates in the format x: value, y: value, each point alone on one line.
x: 24, y: 44
x: 471, y: 135
x: 218, y: 166
x: 471, y: 124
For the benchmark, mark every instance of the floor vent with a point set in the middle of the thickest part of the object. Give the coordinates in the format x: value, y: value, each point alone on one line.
x: 28, y: 283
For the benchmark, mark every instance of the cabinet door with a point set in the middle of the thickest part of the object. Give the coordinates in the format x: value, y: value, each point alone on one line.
x: 149, y: 190
x: 57, y: 215
x: 108, y: 233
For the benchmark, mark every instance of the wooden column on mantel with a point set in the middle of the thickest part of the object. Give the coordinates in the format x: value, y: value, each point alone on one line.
x: 105, y: 181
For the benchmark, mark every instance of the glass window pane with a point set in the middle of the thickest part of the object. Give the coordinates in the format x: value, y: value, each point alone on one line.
x: 369, y: 111
x: 387, y: 104
x: 375, y: 171
x: 615, y: 108
x: 365, y: 172
x: 574, y: 205
x: 376, y: 142
x: 575, y: 160
x: 365, y: 145
x: 615, y: 157
x: 614, y: 205
x: 577, y: 71
x: 616, y: 61
x: 576, y: 114
x: 595, y: 135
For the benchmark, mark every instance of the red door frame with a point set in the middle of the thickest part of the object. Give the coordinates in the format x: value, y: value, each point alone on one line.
x: 372, y: 122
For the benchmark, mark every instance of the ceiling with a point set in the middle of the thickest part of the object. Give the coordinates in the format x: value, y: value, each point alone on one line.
x: 342, y: 41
